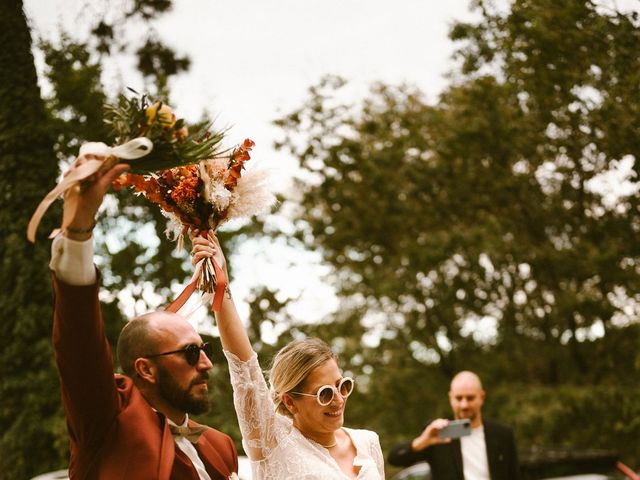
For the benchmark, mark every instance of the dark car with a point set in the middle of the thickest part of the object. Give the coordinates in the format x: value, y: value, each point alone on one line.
x: 551, y: 464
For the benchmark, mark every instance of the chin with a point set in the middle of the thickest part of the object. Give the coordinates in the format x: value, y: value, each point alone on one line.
x: 337, y: 421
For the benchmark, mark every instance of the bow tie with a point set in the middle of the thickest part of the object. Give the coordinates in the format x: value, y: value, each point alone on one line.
x: 190, y: 433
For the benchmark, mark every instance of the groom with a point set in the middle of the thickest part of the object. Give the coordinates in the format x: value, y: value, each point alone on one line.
x: 133, y: 426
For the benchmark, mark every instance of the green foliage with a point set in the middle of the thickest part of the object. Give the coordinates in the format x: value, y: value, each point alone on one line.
x: 29, y: 394
x: 468, y: 234
x: 174, y: 144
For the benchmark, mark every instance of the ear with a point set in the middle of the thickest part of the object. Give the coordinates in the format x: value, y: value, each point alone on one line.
x: 289, y: 403
x: 146, y: 370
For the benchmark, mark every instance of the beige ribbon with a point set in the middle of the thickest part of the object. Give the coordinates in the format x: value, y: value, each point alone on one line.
x: 70, y: 183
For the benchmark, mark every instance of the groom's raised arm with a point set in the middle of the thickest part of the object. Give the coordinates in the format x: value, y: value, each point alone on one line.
x: 82, y: 352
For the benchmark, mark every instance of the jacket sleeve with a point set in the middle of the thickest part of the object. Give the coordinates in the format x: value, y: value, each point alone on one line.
x: 84, y: 362
x: 403, y: 455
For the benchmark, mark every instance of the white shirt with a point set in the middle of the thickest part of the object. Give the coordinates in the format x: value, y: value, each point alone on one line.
x: 474, y: 455
x: 73, y: 263
x: 286, y: 453
x: 189, y: 450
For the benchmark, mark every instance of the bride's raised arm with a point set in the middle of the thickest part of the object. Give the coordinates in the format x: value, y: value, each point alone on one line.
x: 251, y: 395
x: 232, y: 332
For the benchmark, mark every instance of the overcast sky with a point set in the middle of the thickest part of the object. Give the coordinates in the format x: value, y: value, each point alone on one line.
x: 253, y: 60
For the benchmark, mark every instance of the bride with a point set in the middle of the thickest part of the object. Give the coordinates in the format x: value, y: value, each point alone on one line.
x: 294, y: 429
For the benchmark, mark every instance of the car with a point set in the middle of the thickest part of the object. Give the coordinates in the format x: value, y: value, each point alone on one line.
x: 418, y: 471
x: 244, y: 471
x: 551, y: 464
x: 244, y: 468
x: 57, y: 475
x: 567, y: 464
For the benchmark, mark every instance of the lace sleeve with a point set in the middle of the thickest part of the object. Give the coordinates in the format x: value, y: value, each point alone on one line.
x: 259, y: 423
x: 376, y: 454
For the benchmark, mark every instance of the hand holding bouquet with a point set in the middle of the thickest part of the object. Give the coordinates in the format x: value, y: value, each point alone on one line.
x: 149, y: 138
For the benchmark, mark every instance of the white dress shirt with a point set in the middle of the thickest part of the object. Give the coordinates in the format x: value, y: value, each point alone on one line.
x: 474, y: 455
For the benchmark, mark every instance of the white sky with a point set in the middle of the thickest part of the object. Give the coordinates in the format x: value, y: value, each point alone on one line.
x: 253, y: 60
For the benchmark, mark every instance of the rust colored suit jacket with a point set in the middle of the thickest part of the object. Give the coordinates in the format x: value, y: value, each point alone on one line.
x: 114, y: 432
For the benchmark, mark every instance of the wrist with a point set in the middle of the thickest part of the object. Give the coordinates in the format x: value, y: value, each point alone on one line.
x: 422, y: 442
x: 79, y: 233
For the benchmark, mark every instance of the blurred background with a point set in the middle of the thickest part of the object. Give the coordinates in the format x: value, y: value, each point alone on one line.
x: 457, y: 190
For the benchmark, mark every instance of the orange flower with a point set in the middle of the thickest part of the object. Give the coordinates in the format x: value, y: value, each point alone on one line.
x: 186, y: 191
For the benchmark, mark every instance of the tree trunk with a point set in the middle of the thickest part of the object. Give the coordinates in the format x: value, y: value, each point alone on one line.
x: 30, y: 419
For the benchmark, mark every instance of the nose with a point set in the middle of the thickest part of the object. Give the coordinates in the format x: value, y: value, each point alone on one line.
x: 203, y: 362
x: 338, y: 399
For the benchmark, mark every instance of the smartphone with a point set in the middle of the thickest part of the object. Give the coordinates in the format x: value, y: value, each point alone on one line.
x: 456, y: 429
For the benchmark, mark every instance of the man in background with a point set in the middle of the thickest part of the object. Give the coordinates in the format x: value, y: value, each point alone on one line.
x: 488, y: 453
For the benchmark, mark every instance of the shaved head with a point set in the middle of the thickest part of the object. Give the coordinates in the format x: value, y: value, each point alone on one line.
x: 467, y: 379
x: 142, y: 335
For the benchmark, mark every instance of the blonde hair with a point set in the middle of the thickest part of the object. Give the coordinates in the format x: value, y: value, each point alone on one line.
x: 292, y: 365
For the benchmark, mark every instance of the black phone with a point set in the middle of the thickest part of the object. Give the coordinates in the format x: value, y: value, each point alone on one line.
x: 456, y: 429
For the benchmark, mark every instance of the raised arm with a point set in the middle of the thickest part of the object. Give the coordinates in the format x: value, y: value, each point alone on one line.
x: 417, y: 450
x: 233, y: 335
x: 260, y: 426
x: 82, y: 352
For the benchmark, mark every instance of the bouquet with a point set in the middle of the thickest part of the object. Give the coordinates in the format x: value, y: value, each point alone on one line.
x: 202, y: 197
x: 174, y: 143
x: 148, y: 136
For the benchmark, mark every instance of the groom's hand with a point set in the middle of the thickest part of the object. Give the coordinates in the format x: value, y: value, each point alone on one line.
x: 88, y: 199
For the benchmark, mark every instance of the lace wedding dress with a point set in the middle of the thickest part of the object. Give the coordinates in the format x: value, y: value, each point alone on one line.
x: 286, y: 453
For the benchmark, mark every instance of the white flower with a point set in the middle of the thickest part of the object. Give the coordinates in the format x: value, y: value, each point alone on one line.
x: 252, y: 195
x: 219, y: 196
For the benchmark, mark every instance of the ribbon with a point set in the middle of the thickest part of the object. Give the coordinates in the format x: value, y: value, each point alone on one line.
x: 70, y: 183
x: 220, y: 285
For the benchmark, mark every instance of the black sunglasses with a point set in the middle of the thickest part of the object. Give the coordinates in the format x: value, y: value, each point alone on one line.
x: 191, y: 353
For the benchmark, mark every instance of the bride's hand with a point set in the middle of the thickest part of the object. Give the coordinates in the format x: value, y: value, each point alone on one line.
x: 206, y: 247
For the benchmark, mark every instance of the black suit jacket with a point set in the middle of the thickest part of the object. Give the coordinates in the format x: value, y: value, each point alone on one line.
x: 446, y: 459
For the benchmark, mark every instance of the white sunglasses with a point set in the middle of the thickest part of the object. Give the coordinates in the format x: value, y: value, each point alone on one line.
x: 325, y: 393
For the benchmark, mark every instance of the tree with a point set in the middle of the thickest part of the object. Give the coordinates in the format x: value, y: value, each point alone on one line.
x: 35, y: 137
x: 470, y: 232
x: 30, y: 413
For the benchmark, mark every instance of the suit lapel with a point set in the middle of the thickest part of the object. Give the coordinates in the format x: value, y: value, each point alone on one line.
x: 492, y: 450
x: 213, y: 461
x: 167, y: 449
x: 456, y: 451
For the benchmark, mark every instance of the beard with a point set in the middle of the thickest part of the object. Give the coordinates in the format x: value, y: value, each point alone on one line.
x: 182, y: 398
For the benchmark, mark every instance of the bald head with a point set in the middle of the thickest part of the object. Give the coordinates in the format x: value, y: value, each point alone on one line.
x: 144, y: 335
x: 466, y: 379
x: 466, y: 397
